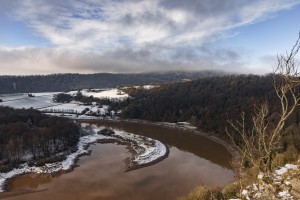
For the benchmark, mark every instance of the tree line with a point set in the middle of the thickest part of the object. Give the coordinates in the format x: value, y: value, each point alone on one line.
x: 67, y: 82
x: 208, y: 102
x: 29, y: 134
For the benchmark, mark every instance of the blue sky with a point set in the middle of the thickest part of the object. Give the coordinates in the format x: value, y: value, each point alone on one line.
x: 16, y: 34
x: 90, y: 36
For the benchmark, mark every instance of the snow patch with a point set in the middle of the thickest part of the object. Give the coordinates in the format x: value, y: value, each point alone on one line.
x: 284, y: 194
x: 284, y: 169
x: 148, y: 150
x: 102, y: 94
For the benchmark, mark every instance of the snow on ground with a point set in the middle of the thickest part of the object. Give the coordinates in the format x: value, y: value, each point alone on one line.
x: 147, y: 87
x: 37, y: 102
x: 151, y: 153
x: 21, y: 100
x: 44, y: 101
x: 284, y: 169
x: 73, y: 116
x: 148, y: 151
x: 75, y: 107
x: 9, y: 97
x: 16, y: 96
x: 278, y: 185
x: 186, y: 125
x: 45, y: 94
x: 99, y: 93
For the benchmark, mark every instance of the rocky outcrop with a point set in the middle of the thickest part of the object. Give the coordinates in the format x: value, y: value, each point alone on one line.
x: 283, y: 184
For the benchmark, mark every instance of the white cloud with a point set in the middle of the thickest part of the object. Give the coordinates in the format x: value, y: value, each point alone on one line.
x: 92, y: 34
x: 90, y: 24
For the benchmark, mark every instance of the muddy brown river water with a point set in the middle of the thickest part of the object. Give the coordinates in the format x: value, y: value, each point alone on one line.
x: 193, y: 160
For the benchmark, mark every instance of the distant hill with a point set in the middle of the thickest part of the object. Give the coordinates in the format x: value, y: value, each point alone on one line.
x: 66, y: 82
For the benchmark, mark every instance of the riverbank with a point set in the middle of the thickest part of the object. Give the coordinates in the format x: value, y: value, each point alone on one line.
x: 185, y: 126
x: 180, y: 125
x: 146, y: 151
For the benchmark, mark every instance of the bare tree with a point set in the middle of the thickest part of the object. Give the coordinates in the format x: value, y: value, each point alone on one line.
x: 260, y: 143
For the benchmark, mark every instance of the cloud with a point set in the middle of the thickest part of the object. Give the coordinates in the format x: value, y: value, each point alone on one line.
x: 35, y: 60
x: 141, y: 35
x: 109, y: 24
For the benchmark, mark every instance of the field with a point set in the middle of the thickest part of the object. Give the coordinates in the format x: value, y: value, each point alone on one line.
x: 44, y: 102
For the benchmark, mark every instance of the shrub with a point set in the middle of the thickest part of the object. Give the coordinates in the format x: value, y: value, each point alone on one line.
x: 52, y: 159
x: 279, y: 160
x: 296, y: 139
x: 62, y: 98
x: 200, y: 193
x: 230, y: 190
x: 6, y: 168
x: 291, y: 155
x: 106, y: 131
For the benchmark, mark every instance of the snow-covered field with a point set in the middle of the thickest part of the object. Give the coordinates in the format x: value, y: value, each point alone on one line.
x: 43, y: 101
x: 75, y: 107
x: 8, y: 97
x: 147, y: 151
x: 146, y: 87
x: 110, y: 94
x: 37, y: 102
x: 75, y: 116
x: 16, y: 96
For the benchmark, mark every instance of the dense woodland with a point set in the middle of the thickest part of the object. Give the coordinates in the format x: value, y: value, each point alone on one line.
x: 67, y: 82
x: 208, y: 103
x: 29, y: 133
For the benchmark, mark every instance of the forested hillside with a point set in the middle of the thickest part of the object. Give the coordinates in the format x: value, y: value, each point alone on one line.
x: 66, y: 82
x: 207, y: 102
x: 28, y: 134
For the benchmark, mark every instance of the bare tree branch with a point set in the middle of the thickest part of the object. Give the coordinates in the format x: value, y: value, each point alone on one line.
x: 260, y: 143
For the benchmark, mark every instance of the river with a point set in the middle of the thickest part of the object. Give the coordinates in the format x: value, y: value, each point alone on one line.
x: 193, y: 160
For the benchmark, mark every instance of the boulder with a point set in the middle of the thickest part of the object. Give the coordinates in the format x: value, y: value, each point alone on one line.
x: 295, y: 188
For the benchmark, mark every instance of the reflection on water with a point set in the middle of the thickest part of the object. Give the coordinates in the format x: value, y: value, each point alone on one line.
x: 183, y: 140
x: 101, y: 175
